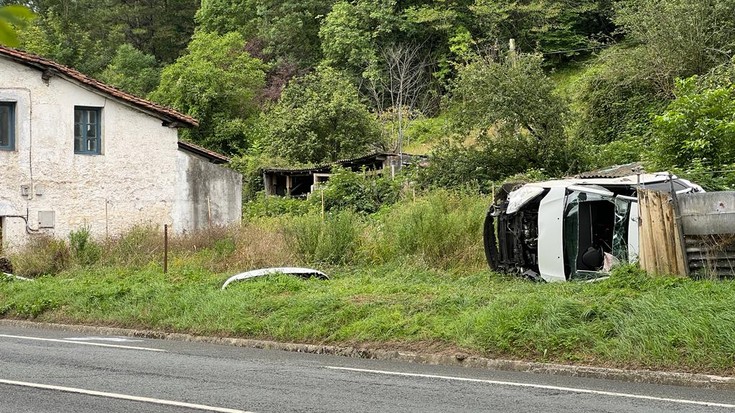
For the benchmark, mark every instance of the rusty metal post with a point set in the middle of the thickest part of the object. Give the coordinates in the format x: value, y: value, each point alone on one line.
x: 165, y: 248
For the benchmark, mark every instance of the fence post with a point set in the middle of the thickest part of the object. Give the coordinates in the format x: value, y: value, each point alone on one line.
x: 165, y: 248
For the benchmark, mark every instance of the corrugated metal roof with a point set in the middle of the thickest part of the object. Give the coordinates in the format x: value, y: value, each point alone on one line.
x: 615, y: 171
x: 51, y: 68
x: 328, y: 166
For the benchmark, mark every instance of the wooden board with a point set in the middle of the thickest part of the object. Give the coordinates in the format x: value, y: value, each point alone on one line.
x: 661, y: 251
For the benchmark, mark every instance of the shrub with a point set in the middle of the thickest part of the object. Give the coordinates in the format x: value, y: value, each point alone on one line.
x: 251, y: 167
x: 84, y: 249
x: 511, y: 106
x: 359, y: 192
x: 697, y: 133
x: 272, y: 206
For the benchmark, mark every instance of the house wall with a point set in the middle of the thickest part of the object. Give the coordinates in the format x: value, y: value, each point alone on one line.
x: 207, y: 194
x: 132, y: 182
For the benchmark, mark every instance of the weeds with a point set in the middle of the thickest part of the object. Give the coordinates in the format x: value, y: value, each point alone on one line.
x: 442, y: 230
x: 332, y: 240
x: 409, y: 275
x: 44, y: 255
x: 84, y: 250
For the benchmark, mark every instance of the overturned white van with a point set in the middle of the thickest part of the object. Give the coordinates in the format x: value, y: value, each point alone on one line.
x: 569, y: 229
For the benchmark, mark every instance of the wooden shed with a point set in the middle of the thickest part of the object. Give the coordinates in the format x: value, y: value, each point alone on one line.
x: 301, y: 181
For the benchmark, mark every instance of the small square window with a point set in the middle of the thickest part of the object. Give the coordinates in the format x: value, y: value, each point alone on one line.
x: 87, y: 130
x: 7, y: 126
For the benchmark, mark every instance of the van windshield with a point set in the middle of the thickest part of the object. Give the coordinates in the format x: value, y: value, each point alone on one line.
x: 620, y: 235
x: 589, y: 228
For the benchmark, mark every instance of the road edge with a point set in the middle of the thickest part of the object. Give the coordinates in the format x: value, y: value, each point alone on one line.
x: 636, y: 376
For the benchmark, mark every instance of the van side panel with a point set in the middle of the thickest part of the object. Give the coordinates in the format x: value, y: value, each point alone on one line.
x: 550, y: 235
x: 633, y: 240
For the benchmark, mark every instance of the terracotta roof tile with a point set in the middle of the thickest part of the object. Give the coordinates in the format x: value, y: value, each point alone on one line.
x: 53, y: 68
x: 214, y: 157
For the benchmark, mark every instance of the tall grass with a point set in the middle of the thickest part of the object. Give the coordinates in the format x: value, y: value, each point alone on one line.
x: 215, y: 249
x: 43, y: 255
x: 332, y: 239
x: 439, y: 230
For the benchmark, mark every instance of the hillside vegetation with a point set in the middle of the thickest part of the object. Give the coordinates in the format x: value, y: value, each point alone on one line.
x: 490, y: 88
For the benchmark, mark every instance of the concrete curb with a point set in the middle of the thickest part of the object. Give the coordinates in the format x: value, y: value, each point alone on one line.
x: 636, y: 376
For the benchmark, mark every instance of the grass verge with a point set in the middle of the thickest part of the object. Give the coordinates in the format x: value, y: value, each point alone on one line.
x: 630, y: 320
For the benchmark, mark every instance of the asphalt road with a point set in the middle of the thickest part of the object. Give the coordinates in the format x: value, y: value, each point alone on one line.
x: 57, y: 371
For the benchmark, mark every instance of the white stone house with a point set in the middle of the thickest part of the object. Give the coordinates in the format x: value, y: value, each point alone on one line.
x: 76, y: 153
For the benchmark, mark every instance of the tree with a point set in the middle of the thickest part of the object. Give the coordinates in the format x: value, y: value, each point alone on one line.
x: 10, y: 16
x: 132, y: 71
x: 697, y: 131
x: 65, y: 41
x: 320, y: 118
x: 564, y: 27
x: 159, y: 28
x: 680, y: 38
x: 403, y: 83
x: 288, y: 28
x: 155, y: 27
x: 350, y: 34
x: 217, y: 82
x: 511, y: 106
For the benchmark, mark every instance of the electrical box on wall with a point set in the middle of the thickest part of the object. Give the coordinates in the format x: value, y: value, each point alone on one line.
x: 46, y: 219
x: 28, y: 191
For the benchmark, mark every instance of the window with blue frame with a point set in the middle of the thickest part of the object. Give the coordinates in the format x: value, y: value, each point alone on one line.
x: 7, y: 126
x: 87, y: 130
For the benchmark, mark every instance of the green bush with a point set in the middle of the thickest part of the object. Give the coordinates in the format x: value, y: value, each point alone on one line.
x: 455, y: 165
x: 84, y: 249
x: 357, y: 191
x: 273, y: 206
x: 696, y: 133
x: 509, y: 105
x: 320, y: 118
x: 251, y: 167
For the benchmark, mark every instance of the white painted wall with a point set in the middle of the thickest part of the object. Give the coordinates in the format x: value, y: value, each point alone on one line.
x: 133, y: 181
x: 206, y: 194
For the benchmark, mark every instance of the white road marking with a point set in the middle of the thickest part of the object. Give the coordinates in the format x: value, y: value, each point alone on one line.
x: 539, y: 386
x: 54, y: 340
x: 113, y: 339
x: 123, y: 397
